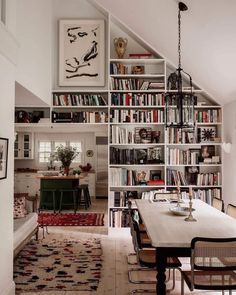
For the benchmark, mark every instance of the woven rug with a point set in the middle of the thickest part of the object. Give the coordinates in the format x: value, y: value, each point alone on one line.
x: 68, y: 265
x: 70, y: 219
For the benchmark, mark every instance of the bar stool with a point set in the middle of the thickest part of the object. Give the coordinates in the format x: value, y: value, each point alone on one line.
x: 52, y: 195
x: 84, y: 196
x: 62, y: 194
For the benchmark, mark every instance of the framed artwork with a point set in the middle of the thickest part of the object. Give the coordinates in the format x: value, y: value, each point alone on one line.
x: 3, y: 157
x: 143, y: 135
x: 81, y: 52
x: 155, y: 174
x: 207, y: 134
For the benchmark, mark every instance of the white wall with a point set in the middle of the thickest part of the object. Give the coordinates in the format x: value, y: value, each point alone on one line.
x: 229, y: 180
x: 7, y: 93
x: 34, y: 36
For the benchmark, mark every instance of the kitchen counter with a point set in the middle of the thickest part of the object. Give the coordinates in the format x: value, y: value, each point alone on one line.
x: 70, y: 177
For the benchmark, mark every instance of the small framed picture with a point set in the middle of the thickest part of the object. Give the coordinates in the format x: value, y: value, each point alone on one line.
x: 143, y: 135
x: 155, y: 174
x: 137, y: 70
x: 207, y: 151
x: 3, y: 157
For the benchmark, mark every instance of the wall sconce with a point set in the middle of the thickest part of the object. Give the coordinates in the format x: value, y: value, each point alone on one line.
x: 226, y: 147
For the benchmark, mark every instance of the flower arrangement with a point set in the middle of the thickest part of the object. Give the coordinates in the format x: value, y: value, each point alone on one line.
x: 66, y: 155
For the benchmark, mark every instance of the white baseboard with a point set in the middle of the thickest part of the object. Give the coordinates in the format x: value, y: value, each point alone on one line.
x: 9, y: 290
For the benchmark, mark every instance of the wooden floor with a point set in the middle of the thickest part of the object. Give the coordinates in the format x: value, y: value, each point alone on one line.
x: 115, y: 246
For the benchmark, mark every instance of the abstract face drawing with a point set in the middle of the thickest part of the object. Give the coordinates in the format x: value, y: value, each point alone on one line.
x: 82, y: 52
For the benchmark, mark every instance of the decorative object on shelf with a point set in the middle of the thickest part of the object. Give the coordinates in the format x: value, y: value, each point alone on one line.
x: 81, y: 52
x: 85, y: 168
x: 89, y: 153
x: 22, y: 117
x: 155, y: 135
x: 190, y: 217
x: 206, y: 134
x: 120, y: 46
x: 3, y: 157
x: 76, y: 172
x: 141, y: 178
x: 66, y: 155
x: 179, y: 105
x: 191, y: 174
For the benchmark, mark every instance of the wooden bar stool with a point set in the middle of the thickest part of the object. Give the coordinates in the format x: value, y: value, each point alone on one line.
x: 63, y: 193
x: 84, y: 196
x: 51, y: 193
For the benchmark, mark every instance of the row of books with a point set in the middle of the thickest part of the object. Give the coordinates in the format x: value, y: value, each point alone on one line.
x: 135, y: 84
x: 176, y: 135
x: 173, y: 116
x: 209, y: 178
x: 119, y: 218
x: 131, y: 99
x: 121, y: 135
x: 122, y: 177
x: 192, y: 177
x: 137, y: 116
x: 209, y: 116
x: 79, y: 117
x: 79, y: 100
x: 150, y: 155
x: 182, y: 157
x: 205, y: 195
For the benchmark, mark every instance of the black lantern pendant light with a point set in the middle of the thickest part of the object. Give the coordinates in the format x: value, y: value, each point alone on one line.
x: 180, y: 104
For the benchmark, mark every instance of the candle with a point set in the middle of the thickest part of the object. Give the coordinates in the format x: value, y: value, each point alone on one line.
x: 190, y: 191
x: 178, y: 185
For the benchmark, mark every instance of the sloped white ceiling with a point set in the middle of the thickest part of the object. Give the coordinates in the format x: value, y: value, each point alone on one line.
x: 208, y: 37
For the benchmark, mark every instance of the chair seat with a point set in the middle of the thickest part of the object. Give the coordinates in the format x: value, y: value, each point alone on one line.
x: 142, y: 227
x: 148, y: 258
x: 211, y: 280
x: 145, y: 241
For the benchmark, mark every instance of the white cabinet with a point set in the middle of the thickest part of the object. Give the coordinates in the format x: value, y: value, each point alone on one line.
x: 24, y: 145
x: 26, y: 183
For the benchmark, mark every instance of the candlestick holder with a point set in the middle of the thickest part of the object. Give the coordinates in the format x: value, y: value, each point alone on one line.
x: 178, y: 197
x: 190, y: 217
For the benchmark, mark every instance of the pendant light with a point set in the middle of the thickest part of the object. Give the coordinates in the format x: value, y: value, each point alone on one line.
x: 179, y: 103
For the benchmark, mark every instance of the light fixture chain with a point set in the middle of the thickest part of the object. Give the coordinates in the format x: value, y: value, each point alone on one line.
x: 179, y: 43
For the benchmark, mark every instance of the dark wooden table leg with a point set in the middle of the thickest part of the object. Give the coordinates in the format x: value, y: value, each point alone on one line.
x: 161, y: 259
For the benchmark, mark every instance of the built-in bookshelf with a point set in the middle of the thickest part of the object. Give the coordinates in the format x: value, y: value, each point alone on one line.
x: 145, y: 157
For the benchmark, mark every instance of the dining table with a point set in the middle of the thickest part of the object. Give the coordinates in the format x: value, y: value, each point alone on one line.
x: 171, y: 235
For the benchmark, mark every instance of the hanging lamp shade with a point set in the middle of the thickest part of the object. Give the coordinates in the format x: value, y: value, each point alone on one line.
x: 179, y: 104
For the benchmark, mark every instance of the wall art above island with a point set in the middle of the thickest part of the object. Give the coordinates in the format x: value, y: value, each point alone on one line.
x: 81, y: 52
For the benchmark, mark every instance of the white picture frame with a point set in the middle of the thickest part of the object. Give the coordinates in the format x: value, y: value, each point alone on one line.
x: 81, y: 52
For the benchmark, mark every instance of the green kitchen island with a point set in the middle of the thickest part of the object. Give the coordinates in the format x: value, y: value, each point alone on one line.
x: 51, y: 187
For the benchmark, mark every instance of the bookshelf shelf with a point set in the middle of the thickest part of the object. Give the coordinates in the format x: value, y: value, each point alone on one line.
x: 137, y: 61
x: 143, y: 124
x: 137, y: 165
x: 137, y: 107
x: 145, y: 76
x: 138, y: 91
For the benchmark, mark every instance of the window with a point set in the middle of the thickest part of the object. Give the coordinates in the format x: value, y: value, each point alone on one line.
x: 46, y: 148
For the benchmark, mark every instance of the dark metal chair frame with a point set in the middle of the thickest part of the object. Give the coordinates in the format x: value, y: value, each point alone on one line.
x: 221, y: 270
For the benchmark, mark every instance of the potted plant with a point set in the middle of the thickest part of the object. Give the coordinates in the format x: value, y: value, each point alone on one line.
x: 66, y: 154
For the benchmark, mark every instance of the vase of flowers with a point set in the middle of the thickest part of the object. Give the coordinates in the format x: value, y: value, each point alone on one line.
x: 66, y: 154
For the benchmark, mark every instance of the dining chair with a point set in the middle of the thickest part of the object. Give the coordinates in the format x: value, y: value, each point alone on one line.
x: 213, y: 265
x: 218, y: 204
x: 231, y: 210
x: 146, y: 258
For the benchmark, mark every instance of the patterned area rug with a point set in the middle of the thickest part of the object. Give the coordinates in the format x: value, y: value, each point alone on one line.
x: 68, y: 219
x: 68, y: 265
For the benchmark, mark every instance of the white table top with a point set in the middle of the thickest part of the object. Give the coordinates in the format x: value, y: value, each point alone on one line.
x: 168, y: 230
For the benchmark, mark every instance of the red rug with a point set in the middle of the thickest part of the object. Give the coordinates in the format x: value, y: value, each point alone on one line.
x: 70, y: 219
